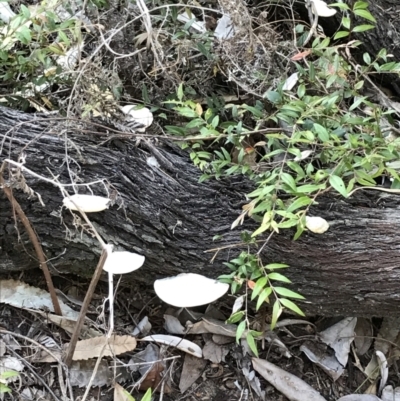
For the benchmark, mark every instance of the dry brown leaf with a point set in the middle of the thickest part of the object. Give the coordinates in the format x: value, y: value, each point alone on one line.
x: 214, y: 352
x: 289, y: 385
x: 153, y: 377
x: 208, y: 325
x: 94, y: 347
x: 192, y: 369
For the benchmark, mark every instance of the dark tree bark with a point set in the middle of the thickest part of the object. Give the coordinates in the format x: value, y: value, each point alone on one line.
x: 352, y: 269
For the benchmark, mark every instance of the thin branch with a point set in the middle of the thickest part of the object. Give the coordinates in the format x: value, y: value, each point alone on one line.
x: 35, y: 241
x: 84, y: 308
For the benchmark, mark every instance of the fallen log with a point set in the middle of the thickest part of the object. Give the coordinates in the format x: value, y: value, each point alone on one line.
x: 165, y: 214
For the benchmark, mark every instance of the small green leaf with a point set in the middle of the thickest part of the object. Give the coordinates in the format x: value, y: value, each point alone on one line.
x: 287, y: 293
x: 360, y: 5
x: 263, y: 297
x: 365, y: 14
x: 179, y: 93
x: 147, y: 395
x: 128, y: 396
x: 278, y: 277
x: 298, y: 203
x: 276, y: 312
x: 322, y: 133
x: 8, y: 374
x: 346, y: 22
x: 367, y: 58
x: 273, y: 97
x: 338, y: 184
x: 341, y: 34
x: 292, y: 306
x: 240, y: 330
x: 260, y: 284
x: 252, y: 344
x: 289, y: 181
x: 362, y: 28
x: 273, y: 266
x: 236, y: 317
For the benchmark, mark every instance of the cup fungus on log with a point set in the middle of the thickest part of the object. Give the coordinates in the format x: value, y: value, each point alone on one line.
x: 86, y: 203
x: 142, y: 116
x: 316, y: 225
x: 123, y: 262
x: 320, y: 8
x: 187, y: 290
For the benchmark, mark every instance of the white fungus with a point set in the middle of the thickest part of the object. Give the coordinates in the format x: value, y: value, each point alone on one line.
x: 189, y: 289
x: 87, y: 203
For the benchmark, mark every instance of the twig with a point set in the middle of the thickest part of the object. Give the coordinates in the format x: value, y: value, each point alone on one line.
x: 84, y: 308
x: 28, y: 365
x: 313, y: 19
x: 35, y: 241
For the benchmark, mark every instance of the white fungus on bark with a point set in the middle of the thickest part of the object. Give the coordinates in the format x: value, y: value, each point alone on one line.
x: 189, y: 289
x: 123, y: 262
x: 316, y: 225
x: 87, y: 203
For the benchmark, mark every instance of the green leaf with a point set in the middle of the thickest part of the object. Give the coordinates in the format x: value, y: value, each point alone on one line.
x: 365, y: 14
x: 260, y: 284
x: 261, y: 229
x: 341, y: 34
x: 4, y: 389
x: 236, y: 317
x: 338, y: 184
x: 367, y: 58
x: 341, y: 6
x: 289, y: 181
x: 186, y: 111
x: 273, y: 266
x: 273, y: 97
x: 276, y: 312
x: 346, y: 22
x: 147, y: 395
x: 360, y: 5
x: 288, y: 223
x: 292, y: 306
x: 8, y: 374
x: 179, y: 93
x: 263, y: 297
x: 322, y: 132
x: 240, y: 330
x: 308, y: 188
x: 252, y: 344
x: 128, y: 396
x: 278, y: 277
x: 287, y: 293
x: 298, y: 203
x: 362, y: 28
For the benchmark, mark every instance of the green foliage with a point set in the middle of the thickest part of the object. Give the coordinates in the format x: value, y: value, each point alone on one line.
x: 29, y: 45
x: 4, y: 379
x: 146, y: 397
x: 329, y: 136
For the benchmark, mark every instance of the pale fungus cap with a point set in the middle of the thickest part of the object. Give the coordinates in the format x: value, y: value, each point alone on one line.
x: 322, y: 9
x: 316, y: 225
x: 123, y: 262
x: 87, y: 203
x: 143, y: 115
x: 189, y: 289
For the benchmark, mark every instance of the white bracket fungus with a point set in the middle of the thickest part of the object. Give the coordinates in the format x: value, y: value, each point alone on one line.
x: 317, y: 225
x: 320, y: 8
x: 189, y: 289
x: 87, y: 203
x: 123, y: 262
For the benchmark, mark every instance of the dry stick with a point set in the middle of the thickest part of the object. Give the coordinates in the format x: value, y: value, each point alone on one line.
x: 35, y: 241
x: 84, y: 308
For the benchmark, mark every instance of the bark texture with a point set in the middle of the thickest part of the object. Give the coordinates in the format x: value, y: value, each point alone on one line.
x: 353, y: 269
